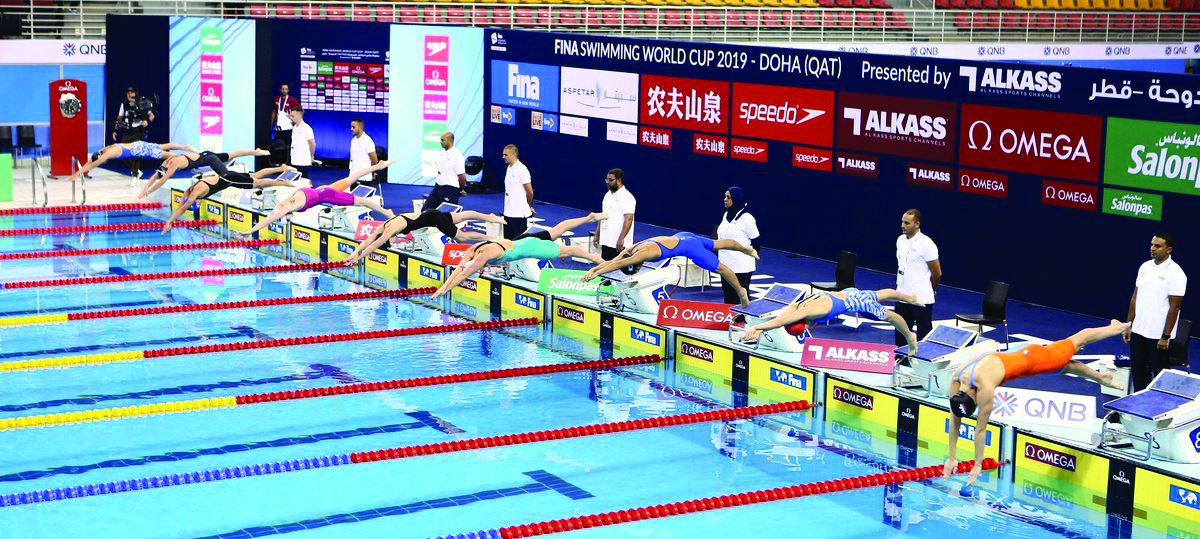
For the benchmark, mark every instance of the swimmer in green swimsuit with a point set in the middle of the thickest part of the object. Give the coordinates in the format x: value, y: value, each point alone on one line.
x: 537, y: 245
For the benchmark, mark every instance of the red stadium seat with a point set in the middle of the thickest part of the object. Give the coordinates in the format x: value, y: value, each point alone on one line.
x: 827, y: 3
x: 1015, y: 21
x: 385, y: 14
x: 310, y: 12
x: 433, y: 15
x: 610, y: 18
x: 713, y: 17
x: 568, y: 18
x: 363, y: 13
x: 633, y: 18
x: 898, y: 20
x: 410, y: 15
x: 335, y: 13
x: 1093, y: 22
x: 284, y: 11
x: 456, y: 15
x: 502, y: 17
x: 962, y: 21
x: 1120, y: 22
x: 807, y: 19
x: 257, y: 10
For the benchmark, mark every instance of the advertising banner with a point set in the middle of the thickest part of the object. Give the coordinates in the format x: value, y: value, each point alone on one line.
x: 1156, y: 156
x: 599, y: 94
x: 897, y: 126
x: 532, y: 86
x: 793, y: 115
x: 848, y: 355
x: 1040, y: 143
x: 693, y: 314
x: 697, y: 105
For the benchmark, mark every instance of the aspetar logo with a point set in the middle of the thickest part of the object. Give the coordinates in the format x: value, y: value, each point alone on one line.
x: 698, y: 352
x: 853, y: 398
x: 1050, y: 457
x: 562, y: 311
x: 900, y: 126
x: 529, y: 302
x: 644, y: 335
x: 1013, y: 81
x: 377, y: 257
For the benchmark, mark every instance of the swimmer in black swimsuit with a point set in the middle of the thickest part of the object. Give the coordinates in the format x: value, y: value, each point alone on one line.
x: 210, y: 185
x: 183, y: 162
x: 446, y: 223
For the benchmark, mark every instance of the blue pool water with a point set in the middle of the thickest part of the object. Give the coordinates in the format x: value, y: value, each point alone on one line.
x: 416, y: 497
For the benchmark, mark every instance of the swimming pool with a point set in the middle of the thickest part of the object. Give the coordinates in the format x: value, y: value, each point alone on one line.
x: 422, y: 496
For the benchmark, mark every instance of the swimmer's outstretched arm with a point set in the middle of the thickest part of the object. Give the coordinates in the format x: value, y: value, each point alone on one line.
x: 372, y: 242
x: 983, y: 396
x: 159, y: 178
x: 799, y: 312
x: 473, y: 262
x: 291, y: 204
x: 194, y: 193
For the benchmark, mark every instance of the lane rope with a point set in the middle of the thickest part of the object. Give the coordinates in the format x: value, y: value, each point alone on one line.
x: 82, y: 209
x: 138, y: 355
x: 322, y: 266
x: 137, y: 250
x: 251, y: 470
x: 125, y: 227
x: 216, y: 403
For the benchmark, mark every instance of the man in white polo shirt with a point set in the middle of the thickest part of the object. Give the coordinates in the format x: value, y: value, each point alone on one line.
x: 451, y: 176
x: 616, y: 232
x: 518, y: 194
x: 918, y: 273
x: 304, y: 142
x: 1154, y: 311
x: 362, y: 148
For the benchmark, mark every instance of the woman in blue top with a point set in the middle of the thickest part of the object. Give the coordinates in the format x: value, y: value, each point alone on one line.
x: 698, y: 249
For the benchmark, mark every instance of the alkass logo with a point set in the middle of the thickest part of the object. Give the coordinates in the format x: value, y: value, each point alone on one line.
x: 1051, y: 457
x: 983, y: 183
x: 1013, y: 81
x: 377, y: 257
x: 570, y: 314
x: 844, y: 353
x: 812, y: 158
x: 853, y: 398
x: 750, y: 150
x: 699, y: 105
x: 781, y: 113
x: 858, y: 165
x: 897, y: 126
x: 437, y: 48
x: 930, y: 175
x: 1068, y: 195
x: 1043, y: 143
x: 698, y: 352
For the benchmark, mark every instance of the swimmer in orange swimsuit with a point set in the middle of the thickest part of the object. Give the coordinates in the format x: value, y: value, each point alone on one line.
x: 976, y: 381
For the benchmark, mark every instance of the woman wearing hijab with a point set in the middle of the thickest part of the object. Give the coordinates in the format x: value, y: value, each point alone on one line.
x: 738, y: 225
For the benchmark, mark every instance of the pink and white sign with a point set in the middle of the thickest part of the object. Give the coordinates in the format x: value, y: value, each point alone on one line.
x: 210, y: 122
x: 849, y: 356
x: 366, y: 228
x: 437, y: 78
x: 436, y: 108
x: 210, y: 94
x: 211, y: 66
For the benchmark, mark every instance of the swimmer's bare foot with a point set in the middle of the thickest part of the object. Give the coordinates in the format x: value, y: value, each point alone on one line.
x: 912, y: 299
x: 260, y: 151
x: 912, y: 343
x: 592, y: 218
x: 1119, y: 325
x: 753, y: 253
x: 493, y: 218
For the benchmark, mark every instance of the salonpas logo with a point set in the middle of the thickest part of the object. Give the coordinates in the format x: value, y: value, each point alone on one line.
x: 211, y: 39
x: 1131, y: 204
x: 1158, y: 156
x: 555, y: 281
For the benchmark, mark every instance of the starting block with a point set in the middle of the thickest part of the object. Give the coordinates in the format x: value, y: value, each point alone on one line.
x: 1164, y: 416
x: 938, y: 355
x: 761, y: 310
x: 264, y: 199
x: 638, y: 293
x: 526, y: 268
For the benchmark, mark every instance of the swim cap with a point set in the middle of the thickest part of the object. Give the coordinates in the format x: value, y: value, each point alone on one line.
x: 962, y: 405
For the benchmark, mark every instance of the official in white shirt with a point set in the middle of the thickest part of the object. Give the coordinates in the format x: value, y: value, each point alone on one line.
x: 451, y: 176
x: 304, y: 142
x: 918, y: 272
x: 362, y: 148
x: 739, y: 225
x: 1154, y: 311
x: 518, y: 194
x: 615, y: 233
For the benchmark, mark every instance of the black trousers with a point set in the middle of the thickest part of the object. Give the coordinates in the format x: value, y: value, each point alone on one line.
x: 440, y: 194
x: 608, y: 253
x: 1145, y: 361
x: 514, y: 226
x: 133, y: 134
x: 284, y: 135
x: 731, y: 295
x: 921, y: 317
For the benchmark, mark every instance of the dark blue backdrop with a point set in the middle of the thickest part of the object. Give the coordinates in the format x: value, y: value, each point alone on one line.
x: 138, y: 55
x: 1079, y: 260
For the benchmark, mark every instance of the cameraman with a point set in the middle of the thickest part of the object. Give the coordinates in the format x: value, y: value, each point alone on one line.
x: 133, y: 117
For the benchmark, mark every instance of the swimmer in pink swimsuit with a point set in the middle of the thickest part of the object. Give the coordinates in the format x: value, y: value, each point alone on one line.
x: 334, y: 194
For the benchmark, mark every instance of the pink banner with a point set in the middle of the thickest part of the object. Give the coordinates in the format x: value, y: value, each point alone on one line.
x: 849, y: 356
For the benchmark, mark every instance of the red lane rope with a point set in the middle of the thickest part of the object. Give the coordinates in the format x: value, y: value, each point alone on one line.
x: 142, y: 249
x: 577, y: 432
x: 82, y: 209
x: 447, y: 379
x: 733, y: 500
x: 126, y: 227
x: 92, y: 315
x: 318, y: 339
x: 172, y: 275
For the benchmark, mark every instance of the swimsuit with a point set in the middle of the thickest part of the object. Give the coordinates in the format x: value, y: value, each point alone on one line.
x: 864, y: 303
x: 528, y: 247
x: 312, y: 197
x: 441, y: 220
x: 230, y: 179
x: 696, y: 248
x: 1033, y: 360
x: 141, y: 148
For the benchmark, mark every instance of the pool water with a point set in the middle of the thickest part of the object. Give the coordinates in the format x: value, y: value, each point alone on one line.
x: 415, y: 497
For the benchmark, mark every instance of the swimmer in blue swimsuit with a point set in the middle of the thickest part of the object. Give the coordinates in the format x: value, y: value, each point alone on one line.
x: 826, y: 306
x: 538, y: 245
x: 698, y: 249
x: 140, y: 148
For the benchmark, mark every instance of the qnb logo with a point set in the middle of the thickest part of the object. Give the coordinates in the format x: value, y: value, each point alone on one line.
x: 569, y: 314
x: 1196, y: 439
x: 896, y: 124
x: 68, y: 49
x: 698, y: 352
x: 524, y: 86
x: 779, y: 114
x: 854, y: 398
x: 1012, y: 81
x: 529, y: 302
x: 1050, y: 457
x: 1032, y: 143
x: 641, y: 335
x: 1004, y: 404
x: 843, y: 353
x: 378, y: 257
x: 429, y: 273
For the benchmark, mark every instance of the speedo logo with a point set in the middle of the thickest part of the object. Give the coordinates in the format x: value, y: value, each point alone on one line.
x: 570, y: 314
x: 1012, y: 81
x: 896, y: 125
x: 698, y: 352
x: 853, y: 398
x: 780, y: 114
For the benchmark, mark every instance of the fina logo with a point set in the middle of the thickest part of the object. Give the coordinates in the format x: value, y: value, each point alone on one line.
x: 430, y: 273
x: 528, y: 302
x: 648, y: 337
x: 347, y: 248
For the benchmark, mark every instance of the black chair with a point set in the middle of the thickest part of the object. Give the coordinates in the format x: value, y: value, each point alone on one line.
x: 6, y: 139
x: 844, y: 274
x: 995, y: 309
x: 1177, y: 351
x: 26, y: 141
